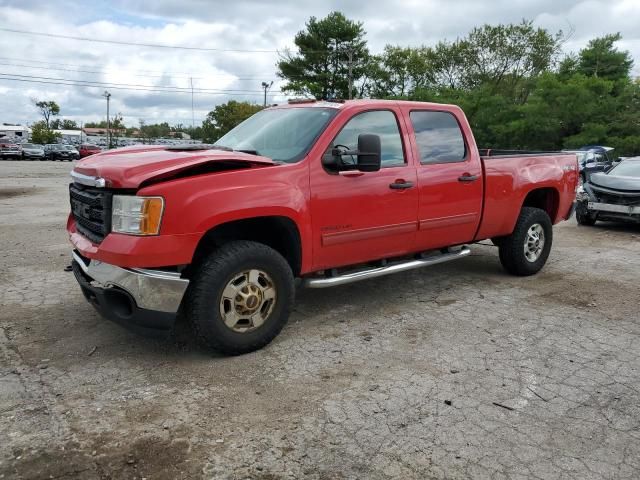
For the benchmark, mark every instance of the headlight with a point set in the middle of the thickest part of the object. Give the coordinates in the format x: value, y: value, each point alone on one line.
x: 136, y: 215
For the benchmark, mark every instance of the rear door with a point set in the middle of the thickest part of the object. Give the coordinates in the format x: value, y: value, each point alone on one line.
x: 358, y: 216
x: 449, y: 179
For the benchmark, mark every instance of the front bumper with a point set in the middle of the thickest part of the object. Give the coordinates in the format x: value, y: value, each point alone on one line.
x: 611, y: 207
x: 145, y: 301
x: 26, y: 154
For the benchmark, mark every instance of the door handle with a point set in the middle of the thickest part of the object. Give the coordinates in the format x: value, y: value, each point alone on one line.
x: 467, y: 178
x: 400, y: 185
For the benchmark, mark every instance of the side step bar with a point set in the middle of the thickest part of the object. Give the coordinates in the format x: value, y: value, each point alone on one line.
x: 324, y: 282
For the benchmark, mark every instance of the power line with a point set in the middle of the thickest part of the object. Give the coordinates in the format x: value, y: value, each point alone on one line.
x: 48, y: 62
x: 134, y: 44
x: 86, y: 84
x: 105, y: 72
x: 160, y: 45
x: 135, y: 86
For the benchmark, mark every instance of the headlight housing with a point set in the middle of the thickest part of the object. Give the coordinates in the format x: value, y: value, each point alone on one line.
x: 136, y: 215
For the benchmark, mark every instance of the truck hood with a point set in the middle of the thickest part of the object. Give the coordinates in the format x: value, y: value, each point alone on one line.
x: 614, y: 182
x: 134, y: 167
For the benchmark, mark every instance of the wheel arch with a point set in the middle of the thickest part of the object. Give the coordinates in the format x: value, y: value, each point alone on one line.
x: 278, y: 232
x: 544, y: 198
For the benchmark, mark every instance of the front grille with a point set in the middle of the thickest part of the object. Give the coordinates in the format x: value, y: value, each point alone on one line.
x: 619, y: 200
x: 631, y: 199
x: 91, y: 208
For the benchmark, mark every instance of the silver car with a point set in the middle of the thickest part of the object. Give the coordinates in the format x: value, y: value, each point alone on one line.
x: 32, y: 151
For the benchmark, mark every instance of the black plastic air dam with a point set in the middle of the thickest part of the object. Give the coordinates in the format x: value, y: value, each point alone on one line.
x: 119, y: 307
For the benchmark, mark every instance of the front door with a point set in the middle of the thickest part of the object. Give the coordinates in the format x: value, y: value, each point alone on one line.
x: 358, y: 216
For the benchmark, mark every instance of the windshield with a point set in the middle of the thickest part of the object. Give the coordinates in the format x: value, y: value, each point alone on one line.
x: 284, y: 135
x: 68, y: 147
x: 627, y: 168
x: 30, y: 145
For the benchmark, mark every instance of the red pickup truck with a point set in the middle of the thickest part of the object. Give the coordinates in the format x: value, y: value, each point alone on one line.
x: 329, y: 193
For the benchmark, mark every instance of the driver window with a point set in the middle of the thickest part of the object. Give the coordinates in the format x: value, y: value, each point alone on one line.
x: 382, y: 123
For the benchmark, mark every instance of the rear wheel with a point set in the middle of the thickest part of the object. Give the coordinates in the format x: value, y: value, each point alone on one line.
x: 240, y: 297
x: 583, y: 216
x: 526, y: 250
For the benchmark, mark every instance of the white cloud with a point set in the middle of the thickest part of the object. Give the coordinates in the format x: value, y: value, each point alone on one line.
x: 252, y: 24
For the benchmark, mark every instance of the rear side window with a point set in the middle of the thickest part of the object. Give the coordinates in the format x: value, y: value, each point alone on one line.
x: 379, y: 122
x: 438, y: 137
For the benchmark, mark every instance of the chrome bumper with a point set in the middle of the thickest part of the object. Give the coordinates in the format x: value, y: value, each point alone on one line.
x: 151, y: 289
x: 609, y: 207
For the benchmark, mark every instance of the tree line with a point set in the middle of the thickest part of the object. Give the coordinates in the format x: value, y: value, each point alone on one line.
x: 514, y: 82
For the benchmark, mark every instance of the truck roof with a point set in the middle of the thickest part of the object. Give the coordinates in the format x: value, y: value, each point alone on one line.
x: 346, y: 104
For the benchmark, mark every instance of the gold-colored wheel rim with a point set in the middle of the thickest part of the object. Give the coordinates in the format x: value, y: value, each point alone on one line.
x: 247, y: 300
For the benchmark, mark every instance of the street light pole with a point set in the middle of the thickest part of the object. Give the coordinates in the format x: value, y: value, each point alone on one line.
x: 107, y: 95
x: 266, y: 86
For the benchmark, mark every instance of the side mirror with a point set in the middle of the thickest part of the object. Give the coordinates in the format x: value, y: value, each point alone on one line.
x: 369, y: 152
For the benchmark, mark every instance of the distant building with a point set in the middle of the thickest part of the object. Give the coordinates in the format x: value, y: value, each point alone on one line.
x: 115, y: 132
x: 15, y: 133
x: 180, y: 135
x: 70, y: 136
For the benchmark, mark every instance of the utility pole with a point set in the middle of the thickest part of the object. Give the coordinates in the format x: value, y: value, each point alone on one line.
x: 193, y: 118
x: 266, y: 86
x: 350, y: 72
x: 107, y: 95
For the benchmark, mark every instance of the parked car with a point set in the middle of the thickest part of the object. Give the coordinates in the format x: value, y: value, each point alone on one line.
x: 593, y: 159
x: 86, y: 149
x: 61, y: 152
x: 32, y: 151
x: 331, y: 193
x: 10, y: 150
x: 611, y: 196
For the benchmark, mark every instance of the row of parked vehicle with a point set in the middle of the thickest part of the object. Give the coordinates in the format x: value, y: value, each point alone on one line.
x: 53, y: 151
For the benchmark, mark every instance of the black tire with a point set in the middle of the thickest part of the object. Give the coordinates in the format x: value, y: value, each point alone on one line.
x: 583, y: 217
x: 497, y: 241
x: 203, y: 298
x: 512, y: 247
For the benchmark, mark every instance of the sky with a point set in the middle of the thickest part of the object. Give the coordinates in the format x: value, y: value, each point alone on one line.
x: 218, y: 74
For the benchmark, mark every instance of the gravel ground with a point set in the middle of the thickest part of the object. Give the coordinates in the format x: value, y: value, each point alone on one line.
x: 458, y: 371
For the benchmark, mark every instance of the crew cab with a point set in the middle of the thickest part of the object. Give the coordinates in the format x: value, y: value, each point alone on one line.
x: 327, y: 193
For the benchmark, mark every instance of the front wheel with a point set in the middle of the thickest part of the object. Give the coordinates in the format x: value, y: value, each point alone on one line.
x: 526, y: 250
x: 240, y: 297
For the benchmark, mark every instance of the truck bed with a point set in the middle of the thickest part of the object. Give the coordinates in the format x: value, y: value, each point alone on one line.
x: 510, y: 177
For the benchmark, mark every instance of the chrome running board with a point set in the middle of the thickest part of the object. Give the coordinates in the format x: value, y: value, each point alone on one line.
x: 324, y: 282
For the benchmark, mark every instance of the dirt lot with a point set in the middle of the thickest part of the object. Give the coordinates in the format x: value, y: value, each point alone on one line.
x: 458, y: 371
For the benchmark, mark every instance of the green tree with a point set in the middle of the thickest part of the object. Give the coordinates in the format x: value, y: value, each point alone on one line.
x: 400, y: 71
x: 226, y: 116
x: 69, y: 125
x: 326, y: 50
x: 602, y: 59
x: 41, y: 134
x: 503, y: 55
x: 47, y: 109
x: 63, y: 124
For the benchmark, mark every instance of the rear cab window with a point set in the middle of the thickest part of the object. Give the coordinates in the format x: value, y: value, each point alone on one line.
x: 438, y: 137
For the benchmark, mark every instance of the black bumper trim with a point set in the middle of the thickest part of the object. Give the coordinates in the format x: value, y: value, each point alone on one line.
x: 118, y: 306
